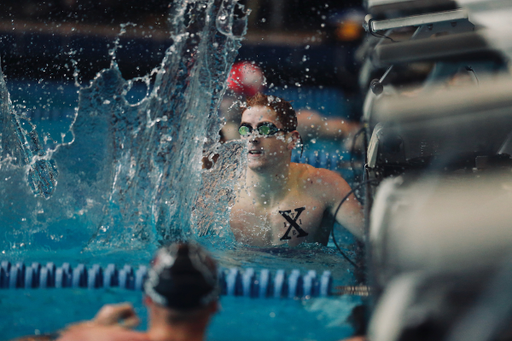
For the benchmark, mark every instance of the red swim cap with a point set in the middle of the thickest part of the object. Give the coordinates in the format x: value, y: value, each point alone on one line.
x: 245, y: 78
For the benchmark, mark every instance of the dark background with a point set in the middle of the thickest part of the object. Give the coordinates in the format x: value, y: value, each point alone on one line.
x: 285, y: 37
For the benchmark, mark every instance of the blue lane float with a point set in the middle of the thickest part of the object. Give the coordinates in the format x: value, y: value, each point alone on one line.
x: 321, y: 159
x: 233, y: 281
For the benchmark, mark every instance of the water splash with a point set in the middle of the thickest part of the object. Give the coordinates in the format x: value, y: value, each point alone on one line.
x: 158, y: 144
x: 217, y: 194
x: 24, y: 148
x: 132, y: 174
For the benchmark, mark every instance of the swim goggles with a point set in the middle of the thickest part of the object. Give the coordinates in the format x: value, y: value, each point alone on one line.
x: 264, y: 129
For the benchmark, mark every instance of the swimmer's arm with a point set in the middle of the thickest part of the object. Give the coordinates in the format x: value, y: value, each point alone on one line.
x: 117, y: 314
x: 312, y: 123
x: 121, y: 316
x: 332, y: 189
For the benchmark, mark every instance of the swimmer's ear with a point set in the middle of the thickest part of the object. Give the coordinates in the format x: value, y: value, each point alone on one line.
x: 292, y: 139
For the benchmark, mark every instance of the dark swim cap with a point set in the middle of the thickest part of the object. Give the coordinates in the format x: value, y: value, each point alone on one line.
x: 182, y: 277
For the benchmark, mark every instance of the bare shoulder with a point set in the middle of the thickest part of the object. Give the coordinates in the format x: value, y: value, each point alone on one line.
x: 331, y: 189
x: 321, y: 182
x: 317, y: 177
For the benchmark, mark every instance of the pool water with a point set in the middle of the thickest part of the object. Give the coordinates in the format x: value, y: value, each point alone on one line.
x: 41, y: 311
x: 32, y: 311
x: 36, y: 311
x: 103, y: 209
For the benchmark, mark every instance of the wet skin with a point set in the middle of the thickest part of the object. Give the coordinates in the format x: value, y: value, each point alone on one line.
x: 283, y: 202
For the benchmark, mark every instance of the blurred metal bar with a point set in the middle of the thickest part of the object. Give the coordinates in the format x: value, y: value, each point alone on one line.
x: 441, y: 224
x: 418, y: 20
x: 381, y: 9
x: 443, y: 128
x: 494, y: 95
x: 468, y: 46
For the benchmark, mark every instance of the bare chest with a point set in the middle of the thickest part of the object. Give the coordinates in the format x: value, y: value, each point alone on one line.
x: 292, y: 221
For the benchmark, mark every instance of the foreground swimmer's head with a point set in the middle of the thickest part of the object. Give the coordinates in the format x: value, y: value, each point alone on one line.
x: 183, y: 277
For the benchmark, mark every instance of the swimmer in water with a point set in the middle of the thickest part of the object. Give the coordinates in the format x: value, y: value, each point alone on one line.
x: 282, y: 202
x: 181, y: 294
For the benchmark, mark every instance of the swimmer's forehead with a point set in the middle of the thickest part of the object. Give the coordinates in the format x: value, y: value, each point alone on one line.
x: 259, y: 113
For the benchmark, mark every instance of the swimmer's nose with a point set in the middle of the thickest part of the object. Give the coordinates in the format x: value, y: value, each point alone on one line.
x: 254, y: 138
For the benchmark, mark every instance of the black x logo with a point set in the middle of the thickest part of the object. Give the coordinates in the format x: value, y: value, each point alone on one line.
x: 293, y: 223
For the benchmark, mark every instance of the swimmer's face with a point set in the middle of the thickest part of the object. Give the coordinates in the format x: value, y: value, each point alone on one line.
x: 266, y: 151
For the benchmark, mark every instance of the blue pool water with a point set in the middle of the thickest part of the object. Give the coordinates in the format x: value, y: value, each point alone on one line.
x: 29, y: 311
x: 128, y: 177
x: 250, y: 319
x: 40, y: 311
